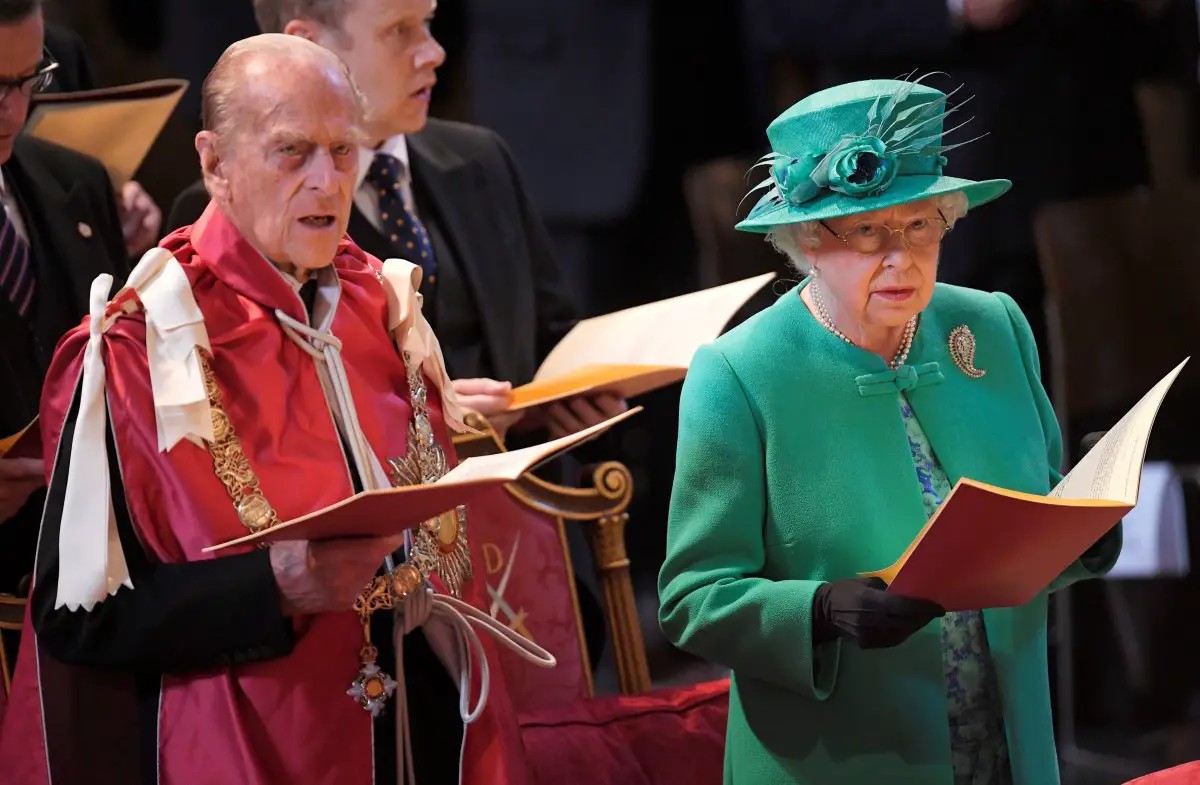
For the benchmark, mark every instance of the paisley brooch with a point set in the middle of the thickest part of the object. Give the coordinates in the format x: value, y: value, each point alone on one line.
x: 962, y: 351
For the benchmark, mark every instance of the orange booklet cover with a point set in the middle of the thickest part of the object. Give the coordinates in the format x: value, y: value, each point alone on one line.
x: 25, y: 443
x: 115, y: 125
x: 988, y: 547
x: 623, y: 381
x: 390, y: 511
x: 637, y: 350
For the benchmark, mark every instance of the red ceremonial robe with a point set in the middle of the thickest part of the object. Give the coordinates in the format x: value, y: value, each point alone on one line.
x: 194, y: 676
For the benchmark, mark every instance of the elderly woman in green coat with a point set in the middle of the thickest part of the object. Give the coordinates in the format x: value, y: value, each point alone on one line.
x: 815, y: 441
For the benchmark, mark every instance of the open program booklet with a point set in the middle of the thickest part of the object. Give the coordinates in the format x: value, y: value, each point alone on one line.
x: 637, y: 350
x: 390, y: 511
x: 115, y: 125
x: 988, y: 547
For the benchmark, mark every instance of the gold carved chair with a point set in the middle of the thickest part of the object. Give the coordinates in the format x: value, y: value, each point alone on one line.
x: 643, y: 736
x: 519, y: 533
x: 12, y: 614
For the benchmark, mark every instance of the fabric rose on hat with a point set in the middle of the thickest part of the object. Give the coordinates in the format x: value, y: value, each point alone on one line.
x: 794, y: 177
x: 858, y: 166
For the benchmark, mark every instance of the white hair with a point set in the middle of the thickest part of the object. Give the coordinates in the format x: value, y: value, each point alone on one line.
x: 796, y: 240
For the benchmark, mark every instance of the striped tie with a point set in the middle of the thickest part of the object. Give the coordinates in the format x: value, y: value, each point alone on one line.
x: 17, y: 279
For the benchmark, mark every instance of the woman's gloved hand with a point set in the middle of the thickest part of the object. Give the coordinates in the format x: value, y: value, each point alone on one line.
x: 861, y: 611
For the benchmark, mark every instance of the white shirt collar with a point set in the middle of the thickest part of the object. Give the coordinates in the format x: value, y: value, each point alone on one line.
x: 396, y: 146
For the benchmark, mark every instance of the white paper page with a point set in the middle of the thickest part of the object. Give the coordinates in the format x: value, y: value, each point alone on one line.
x: 667, y: 332
x: 1112, y: 470
x: 508, y: 466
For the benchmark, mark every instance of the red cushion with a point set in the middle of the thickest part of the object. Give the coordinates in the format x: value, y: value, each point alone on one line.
x: 668, y: 736
x: 1187, y: 774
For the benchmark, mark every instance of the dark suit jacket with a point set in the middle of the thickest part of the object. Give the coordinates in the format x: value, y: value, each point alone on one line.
x: 604, y: 101
x: 500, y: 302
x: 568, y: 86
x: 70, y: 214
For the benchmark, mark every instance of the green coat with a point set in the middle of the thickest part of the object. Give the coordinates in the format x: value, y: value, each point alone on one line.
x: 787, y: 476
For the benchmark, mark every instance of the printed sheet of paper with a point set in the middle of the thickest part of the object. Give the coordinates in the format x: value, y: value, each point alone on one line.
x: 508, y: 466
x: 390, y: 511
x: 636, y: 350
x: 667, y: 332
x: 115, y: 125
x: 1112, y: 470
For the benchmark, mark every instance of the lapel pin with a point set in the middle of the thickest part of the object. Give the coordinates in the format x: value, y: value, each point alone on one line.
x: 84, y: 230
x: 962, y: 351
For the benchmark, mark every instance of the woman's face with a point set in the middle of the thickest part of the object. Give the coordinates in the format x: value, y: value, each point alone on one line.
x: 886, y: 286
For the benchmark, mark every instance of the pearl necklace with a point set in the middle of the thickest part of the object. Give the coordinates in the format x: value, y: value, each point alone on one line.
x: 910, y: 329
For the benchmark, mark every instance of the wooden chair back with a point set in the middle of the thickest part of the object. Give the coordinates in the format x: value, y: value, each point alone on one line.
x: 12, y: 615
x: 1123, y: 290
x: 713, y: 192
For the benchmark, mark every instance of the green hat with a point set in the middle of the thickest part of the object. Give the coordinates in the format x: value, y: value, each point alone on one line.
x: 857, y: 147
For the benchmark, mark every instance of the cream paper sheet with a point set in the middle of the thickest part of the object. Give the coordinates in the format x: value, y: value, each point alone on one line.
x: 1112, y: 470
x: 667, y: 332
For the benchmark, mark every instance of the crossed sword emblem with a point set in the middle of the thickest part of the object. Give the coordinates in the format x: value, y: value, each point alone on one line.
x: 516, y: 620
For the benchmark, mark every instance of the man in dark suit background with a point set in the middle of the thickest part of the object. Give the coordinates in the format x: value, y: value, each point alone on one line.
x: 449, y: 197
x: 59, y: 229
x: 606, y: 104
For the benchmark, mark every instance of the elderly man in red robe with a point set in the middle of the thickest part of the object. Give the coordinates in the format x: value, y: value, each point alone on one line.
x: 258, y: 366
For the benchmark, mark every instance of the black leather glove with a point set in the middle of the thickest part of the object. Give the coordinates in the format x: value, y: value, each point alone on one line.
x: 861, y: 611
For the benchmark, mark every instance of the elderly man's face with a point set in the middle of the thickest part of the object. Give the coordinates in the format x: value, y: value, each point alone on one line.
x: 287, y: 171
x: 393, y: 56
x: 20, y: 55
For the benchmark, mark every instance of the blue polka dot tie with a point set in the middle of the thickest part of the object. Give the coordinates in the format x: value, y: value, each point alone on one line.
x: 396, y: 221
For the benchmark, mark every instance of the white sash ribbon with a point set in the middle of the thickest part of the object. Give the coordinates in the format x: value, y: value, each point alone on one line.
x: 92, y: 563
x: 414, y: 335
x: 175, y: 335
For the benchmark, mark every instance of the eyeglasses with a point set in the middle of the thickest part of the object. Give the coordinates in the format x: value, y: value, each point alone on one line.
x: 35, y: 82
x: 869, y: 238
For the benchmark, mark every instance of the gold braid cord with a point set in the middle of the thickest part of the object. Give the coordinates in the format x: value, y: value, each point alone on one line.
x: 230, y: 463
x: 439, y: 545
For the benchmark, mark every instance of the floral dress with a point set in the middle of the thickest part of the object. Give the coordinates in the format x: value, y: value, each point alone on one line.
x: 978, y: 745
